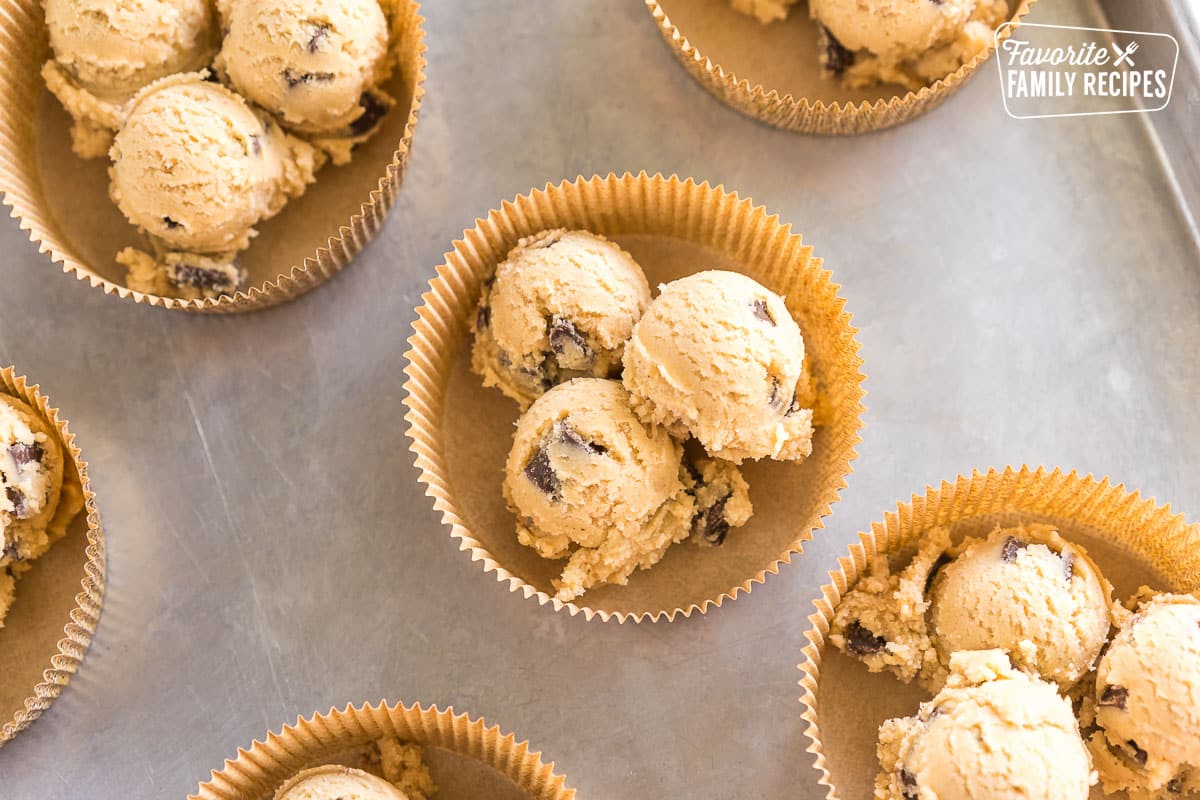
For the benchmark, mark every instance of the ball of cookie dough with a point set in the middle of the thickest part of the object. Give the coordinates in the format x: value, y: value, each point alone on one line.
x: 1148, y: 698
x: 718, y: 356
x: 588, y: 481
x: 31, y: 482
x: 892, y: 29
x: 196, y: 168
x: 335, y: 782
x: 311, y: 62
x: 112, y: 48
x: 562, y: 305
x: 992, y: 732
x: 1028, y: 592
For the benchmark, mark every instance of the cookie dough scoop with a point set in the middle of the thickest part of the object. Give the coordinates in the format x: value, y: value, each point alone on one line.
x: 335, y: 782
x: 104, y: 51
x: 315, y: 64
x: 718, y: 356
x: 1148, y: 701
x: 562, y: 305
x: 993, y: 733
x: 589, y: 482
x: 195, y: 167
x: 1029, y: 592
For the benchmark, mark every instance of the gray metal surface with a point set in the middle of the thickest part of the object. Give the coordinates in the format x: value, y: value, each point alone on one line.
x: 1026, y: 292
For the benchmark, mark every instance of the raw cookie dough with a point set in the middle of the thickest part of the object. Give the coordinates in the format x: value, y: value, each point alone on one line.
x: 718, y: 356
x: 1027, y: 591
x: 315, y: 64
x: 1147, y: 702
x: 195, y: 167
x: 588, y: 481
x: 106, y: 50
x: 335, y: 782
x: 992, y: 732
x: 908, y: 42
x: 562, y: 305
x: 764, y: 10
x: 35, y: 503
x: 882, y: 620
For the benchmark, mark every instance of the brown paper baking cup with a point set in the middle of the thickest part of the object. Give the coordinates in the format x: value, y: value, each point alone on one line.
x: 771, y: 72
x: 62, y: 200
x: 467, y: 758
x: 461, y: 432
x: 57, y: 606
x: 1132, y: 539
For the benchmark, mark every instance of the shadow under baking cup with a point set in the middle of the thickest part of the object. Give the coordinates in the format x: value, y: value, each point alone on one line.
x: 771, y: 72
x: 461, y: 432
x: 467, y: 758
x: 1133, y: 540
x: 51, y: 622
x: 62, y: 200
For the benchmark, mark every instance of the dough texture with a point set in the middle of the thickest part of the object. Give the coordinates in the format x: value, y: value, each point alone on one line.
x: 335, y: 782
x: 315, y: 64
x: 195, y: 167
x: 36, y: 505
x: 764, y: 10
x: 718, y: 356
x: 562, y: 305
x: 908, y: 42
x: 1147, y: 701
x: 106, y: 50
x: 1023, y: 590
x: 589, y: 482
x: 1030, y: 593
x: 992, y: 732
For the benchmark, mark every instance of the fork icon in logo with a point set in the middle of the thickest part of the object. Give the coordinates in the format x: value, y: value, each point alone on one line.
x: 1124, y: 56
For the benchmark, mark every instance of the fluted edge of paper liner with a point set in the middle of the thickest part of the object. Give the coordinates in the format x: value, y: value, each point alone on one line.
x: 20, y: 183
x: 802, y: 115
x: 697, y: 212
x: 1166, y: 539
x: 79, y: 628
x: 256, y: 772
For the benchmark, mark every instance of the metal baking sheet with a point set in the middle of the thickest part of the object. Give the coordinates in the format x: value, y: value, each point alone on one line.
x: 1027, y: 290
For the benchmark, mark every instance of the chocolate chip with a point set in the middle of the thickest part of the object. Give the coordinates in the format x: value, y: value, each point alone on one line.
x: 794, y: 406
x: 294, y: 78
x: 762, y: 312
x: 572, y: 437
x: 1175, y: 785
x: 908, y: 784
x: 568, y: 343
x: 483, y: 317
x: 202, y: 278
x: 18, y: 500
x: 11, y: 552
x: 1139, y: 755
x: 541, y: 473
x: 711, y: 523
x: 171, y: 224
x: 775, y: 398
x: 256, y: 145
x: 942, y: 561
x: 837, y: 58
x: 1068, y: 561
x: 1114, y: 697
x: 861, y: 642
x: 23, y: 454
x: 373, y: 110
x: 694, y: 471
x: 1012, y: 546
x: 320, y: 35
x: 937, y: 2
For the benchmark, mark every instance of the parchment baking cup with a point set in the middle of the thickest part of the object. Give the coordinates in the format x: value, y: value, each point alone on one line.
x: 468, y: 758
x: 771, y: 72
x: 57, y: 606
x: 1133, y: 540
x: 461, y: 432
x: 62, y: 200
